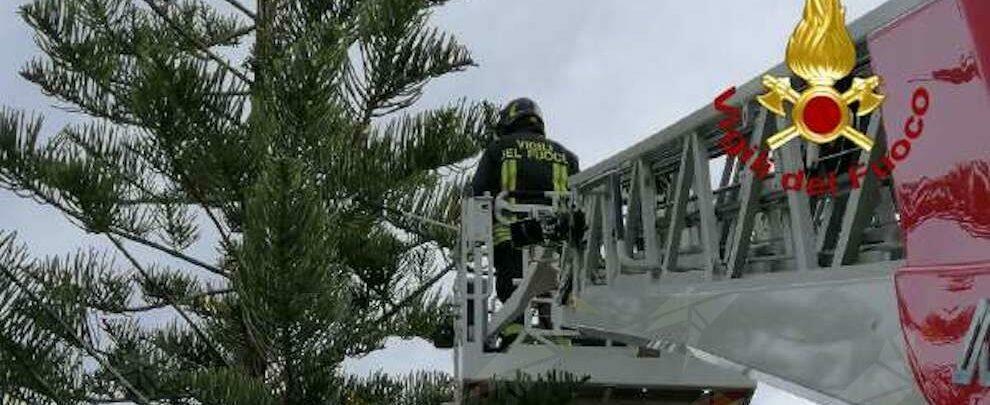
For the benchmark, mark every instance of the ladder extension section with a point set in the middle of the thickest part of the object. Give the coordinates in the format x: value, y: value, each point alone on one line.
x: 691, y: 251
x: 728, y: 275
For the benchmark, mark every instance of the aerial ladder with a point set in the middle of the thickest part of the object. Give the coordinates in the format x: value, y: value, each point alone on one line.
x: 697, y: 275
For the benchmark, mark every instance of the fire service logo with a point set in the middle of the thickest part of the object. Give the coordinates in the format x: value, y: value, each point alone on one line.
x: 821, y: 52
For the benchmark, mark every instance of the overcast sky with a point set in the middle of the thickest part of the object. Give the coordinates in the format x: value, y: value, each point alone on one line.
x: 606, y: 74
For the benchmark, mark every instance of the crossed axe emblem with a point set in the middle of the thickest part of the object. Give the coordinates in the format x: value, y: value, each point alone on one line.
x: 821, y: 114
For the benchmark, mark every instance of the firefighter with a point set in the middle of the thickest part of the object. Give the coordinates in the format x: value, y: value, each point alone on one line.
x: 520, y: 159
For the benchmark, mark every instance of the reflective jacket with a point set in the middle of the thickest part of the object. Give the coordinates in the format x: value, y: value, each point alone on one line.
x: 523, y: 161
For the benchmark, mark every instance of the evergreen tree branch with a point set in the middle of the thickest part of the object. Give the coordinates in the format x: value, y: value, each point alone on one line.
x: 171, y: 302
x: 62, y: 80
x: 224, y: 235
x: 396, y: 67
x: 403, y: 303
x: 163, y: 14
x: 131, y: 237
x: 44, y: 197
x: 169, y: 251
x: 438, y: 199
x: 104, y: 400
x: 67, y: 329
x: 203, y: 203
x: 399, y: 218
x: 22, y: 170
x: 185, y: 300
x: 27, y: 365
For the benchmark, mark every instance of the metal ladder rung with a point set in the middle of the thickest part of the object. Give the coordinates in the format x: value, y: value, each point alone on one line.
x: 884, y: 246
x: 553, y: 333
x: 771, y: 258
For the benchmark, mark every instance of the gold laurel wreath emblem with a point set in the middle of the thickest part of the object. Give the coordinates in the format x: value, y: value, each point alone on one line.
x: 821, y: 52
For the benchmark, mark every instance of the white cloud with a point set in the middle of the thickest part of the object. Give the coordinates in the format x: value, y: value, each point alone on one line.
x: 401, y: 357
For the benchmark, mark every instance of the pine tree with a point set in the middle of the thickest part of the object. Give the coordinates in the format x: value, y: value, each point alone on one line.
x: 282, y: 133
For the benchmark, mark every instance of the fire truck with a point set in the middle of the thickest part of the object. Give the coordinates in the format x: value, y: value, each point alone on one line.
x: 697, y: 276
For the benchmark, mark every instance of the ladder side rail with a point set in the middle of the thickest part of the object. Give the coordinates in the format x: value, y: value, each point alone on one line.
x: 462, y: 331
x: 640, y: 220
x: 611, y: 216
x: 595, y: 238
x: 802, y: 243
x: 705, y: 202
x: 862, y: 200
x: 726, y: 192
x: 633, y: 228
x: 831, y: 207
x: 749, y: 192
x: 483, y: 259
x: 462, y: 291
x: 887, y: 222
x: 677, y: 213
x: 474, y: 282
x: 648, y: 214
x: 828, y: 232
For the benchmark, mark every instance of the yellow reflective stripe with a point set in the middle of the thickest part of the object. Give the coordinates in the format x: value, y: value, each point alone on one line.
x: 512, y: 175
x: 559, y: 177
x: 509, y: 175
x: 565, y: 173
x: 513, y: 329
x: 556, y: 176
x: 505, y: 174
x: 501, y: 234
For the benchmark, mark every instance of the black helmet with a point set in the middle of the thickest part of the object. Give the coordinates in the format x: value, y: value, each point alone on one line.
x: 520, y: 113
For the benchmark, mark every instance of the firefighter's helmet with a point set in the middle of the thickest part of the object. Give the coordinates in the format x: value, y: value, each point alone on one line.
x: 519, y: 112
